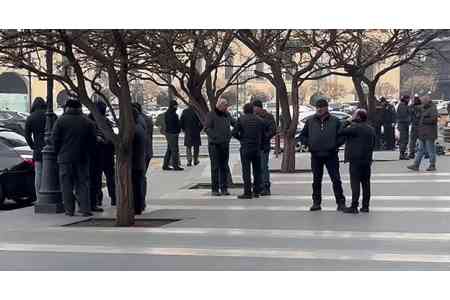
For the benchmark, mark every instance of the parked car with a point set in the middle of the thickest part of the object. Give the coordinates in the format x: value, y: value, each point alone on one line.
x: 16, y: 168
x: 14, y: 121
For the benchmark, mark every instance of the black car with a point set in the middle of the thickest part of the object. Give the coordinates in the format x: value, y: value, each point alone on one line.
x: 13, y: 120
x: 16, y: 168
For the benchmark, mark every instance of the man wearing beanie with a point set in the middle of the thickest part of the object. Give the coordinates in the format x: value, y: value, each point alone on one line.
x: 270, y: 129
x: 173, y: 129
x: 321, y: 135
x: 74, y: 139
x: 358, y: 151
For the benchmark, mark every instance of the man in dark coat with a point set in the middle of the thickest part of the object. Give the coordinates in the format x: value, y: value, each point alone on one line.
x: 321, y: 134
x: 35, y: 136
x: 172, y: 130
x: 388, y: 124
x: 403, y: 122
x: 217, y: 127
x: 191, y: 125
x: 360, y: 143
x: 427, y: 133
x: 74, y: 139
x: 138, y: 164
x: 249, y: 131
x: 270, y: 130
x: 415, y: 111
x: 102, y: 161
x: 377, y: 123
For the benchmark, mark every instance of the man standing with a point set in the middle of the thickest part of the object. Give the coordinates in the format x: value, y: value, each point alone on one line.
x: 427, y: 132
x: 74, y: 139
x: 35, y: 136
x: 416, y: 111
x: 270, y: 129
x: 358, y: 151
x: 191, y: 125
x: 403, y: 121
x: 249, y: 131
x: 321, y: 134
x: 172, y: 130
x: 377, y: 123
x: 138, y: 163
x: 388, y: 124
x: 217, y: 127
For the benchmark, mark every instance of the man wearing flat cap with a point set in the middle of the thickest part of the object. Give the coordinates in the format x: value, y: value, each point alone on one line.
x: 321, y: 135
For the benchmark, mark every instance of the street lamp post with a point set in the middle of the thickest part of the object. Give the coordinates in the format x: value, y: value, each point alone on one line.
x: 49, y: 200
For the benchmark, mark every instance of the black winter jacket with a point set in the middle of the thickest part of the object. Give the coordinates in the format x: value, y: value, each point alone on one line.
x: 360, y: 142
x: 322, y: 136
x: 218, y: 127
x: 35, y: 133
x: 74, y: 137
x: 139, y: 147
x: 270, y: 129
x: 403, y: 113
x: 249, y: 131
x: 172, y: 121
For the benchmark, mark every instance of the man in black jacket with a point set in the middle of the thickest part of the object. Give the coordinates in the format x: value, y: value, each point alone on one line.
x: 217, y: 127
x: 249, y: 131
x: 191, y: 125
x: 74, y: 139
x: 403, y: 122
x: 270, y: 129
x: 321, y: 134
x: 358, y: 151
x: 35, y: 136
x: 138, y: 163
x: 388, y: 124
x: 173, y: 130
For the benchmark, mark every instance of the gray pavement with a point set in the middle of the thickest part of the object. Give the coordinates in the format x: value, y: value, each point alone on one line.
x: 408, y: 227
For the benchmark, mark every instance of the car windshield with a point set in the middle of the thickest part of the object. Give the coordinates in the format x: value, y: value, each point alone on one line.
x: 12, y: 139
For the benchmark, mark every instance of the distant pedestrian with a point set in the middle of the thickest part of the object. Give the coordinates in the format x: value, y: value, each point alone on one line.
x: 270, y: 130
x: 102, y: 162
x: 403, y: 121
x: 172, y: 130
x: 249, y: 131
x: 218, y: 128
x: 74, y: 139
x: 416, y: 111
x: 138, y: 163
x: 388, y: 124
x: 378, y: 123
x: 35, y: 136
x: 360, y: 143
x: 192, y: 127
x: 321, y: 135
x: 427, y: 132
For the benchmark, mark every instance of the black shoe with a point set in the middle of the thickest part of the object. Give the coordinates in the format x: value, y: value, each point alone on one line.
x: 70, y: 214
x: 364, y: 210
x: 196, y: 163
x: 97, y: 209
x: 244, y: 196
x: 315, y: 207
x: 413, y: 168
x: 265, y: 193
x: 216, y: 194
x: 167, y: 168
x: 189, y: 164
x: 178, y: 169
x: 225, y: 193
x: 87, y: 214
x: 340, y: 207
x: 113, y: 203
x: 350, y: 210
x: 411, y: 156
x: 255, y: 195
x: 431, y: 168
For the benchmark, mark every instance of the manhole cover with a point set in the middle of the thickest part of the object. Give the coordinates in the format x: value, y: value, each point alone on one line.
x: 97, y: 222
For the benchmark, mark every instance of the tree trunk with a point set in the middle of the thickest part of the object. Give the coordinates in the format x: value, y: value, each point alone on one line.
x: 360, y: 92
x: 124, y: 186
x: 288, y: 161
x: 371, y: 107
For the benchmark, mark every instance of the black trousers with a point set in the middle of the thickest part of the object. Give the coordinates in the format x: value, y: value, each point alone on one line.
x: 138, y: 178
x: 403, y: 128
x: 74, y: 177
x: 389, y: 137
x: 377, y: 127
x: 251, y: 159
x: 331, y: 162
x: 189, y: 153
x: 102, y: 164
x: 360, y: 177
x: 413, y: 140
x: 172, y: 155
x: 219, y: 155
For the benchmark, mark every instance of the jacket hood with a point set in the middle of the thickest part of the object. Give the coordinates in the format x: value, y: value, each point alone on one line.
x: 38, y: 104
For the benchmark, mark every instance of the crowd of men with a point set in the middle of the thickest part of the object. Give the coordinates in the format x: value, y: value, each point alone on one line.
x: 84, y: 153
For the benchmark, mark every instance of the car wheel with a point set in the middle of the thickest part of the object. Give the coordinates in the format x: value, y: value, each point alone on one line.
x: 2, y: 195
